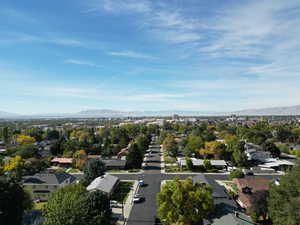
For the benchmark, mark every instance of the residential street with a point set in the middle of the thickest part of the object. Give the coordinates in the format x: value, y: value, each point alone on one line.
x: 146, y: 211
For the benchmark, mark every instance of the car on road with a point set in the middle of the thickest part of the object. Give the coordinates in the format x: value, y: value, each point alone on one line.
x: 138, y: 198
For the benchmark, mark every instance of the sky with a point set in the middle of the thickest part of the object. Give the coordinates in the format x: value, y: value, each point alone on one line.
x: 209, y: 55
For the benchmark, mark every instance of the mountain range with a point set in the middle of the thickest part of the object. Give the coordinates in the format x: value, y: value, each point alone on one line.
x: 289, y: 110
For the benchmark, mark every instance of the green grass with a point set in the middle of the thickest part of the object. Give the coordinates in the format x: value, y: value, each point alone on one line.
x: 170, y: 159
x: 74, y: 170
x: 122, y: 191
x: 232, y: 185
x: 39, y: 206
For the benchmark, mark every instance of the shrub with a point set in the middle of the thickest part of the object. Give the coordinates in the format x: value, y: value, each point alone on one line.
x: 236, y: 174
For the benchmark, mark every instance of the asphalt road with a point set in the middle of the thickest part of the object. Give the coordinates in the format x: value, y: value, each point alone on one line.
x: 144, y: 213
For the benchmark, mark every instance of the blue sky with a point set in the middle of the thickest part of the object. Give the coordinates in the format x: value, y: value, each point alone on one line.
x: 212, y: 55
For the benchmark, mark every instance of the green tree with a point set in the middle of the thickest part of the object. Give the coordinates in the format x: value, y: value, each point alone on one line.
x: 13, y: 201
x: 170, y: 146
x: 284, y: 199
x: 206, y: 164
x: 189, y: 163
x: 5, y: 134
x: 27, y: 151
x: 184, y: 203
x: 272, y: 148
x: 93, y: 168
x: 73, y: 205
x: 236, y: 174
x: 134, y: 157
x: 142, y: 142
x: 194, y: 144
x: 259, y: 206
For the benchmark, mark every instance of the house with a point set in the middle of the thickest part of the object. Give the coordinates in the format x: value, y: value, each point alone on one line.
x: 277, y: 164
x: 226, y: 211
x: 62, y: 162
x: 94, y: 157
x: 115, y: 164
x: 41, y: 185
x: 256, y: 153
x: 106, y: 184
x: 220, y: 164
x: 248, y: 187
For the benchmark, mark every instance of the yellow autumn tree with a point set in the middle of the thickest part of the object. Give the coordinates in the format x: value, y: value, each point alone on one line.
x: 212, y: 149
x: 24, y: 139
x: 79, y: 159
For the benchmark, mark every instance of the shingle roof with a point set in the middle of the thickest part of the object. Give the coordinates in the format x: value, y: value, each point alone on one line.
x: 104, y: 183
x: 218, y: 190
x: 48, y: 178
x: 114, y: 162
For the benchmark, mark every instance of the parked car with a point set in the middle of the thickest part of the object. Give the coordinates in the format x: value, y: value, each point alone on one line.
x: 113, y: 204
x: 138, y: 198
x: 248, y: 172
x: 141, y: 183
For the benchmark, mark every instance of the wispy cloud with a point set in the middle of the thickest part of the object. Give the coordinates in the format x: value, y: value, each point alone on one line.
x: 80, y: 62
x: 131, y: 54
x: 117, y: 6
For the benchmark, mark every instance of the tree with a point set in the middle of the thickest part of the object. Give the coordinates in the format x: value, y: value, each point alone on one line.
x: 23, y: 139
x: 52, y: 135
x: 5, y: 134
x: 236, y: 174
x: 142, y: 142
x: 194, y: 143
x: 13, y: 201
x: 184, y: 203
x: 284, y: 199
x: 94, y: 168
x: 134, y: 157
x: 27, y: 151
x: 213, y: 149
x: 189, y: 163
x: 259, y: 206
x: 73, y: 205
x: 15, y: 167
x: 79, y: 159
x: 206, y: 164
x: 272, y: 148
x: 170, y: 146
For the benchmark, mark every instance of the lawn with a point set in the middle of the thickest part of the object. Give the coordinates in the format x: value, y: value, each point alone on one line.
x: 122, y: 191
x: 73, y: 170
x: 39, y: 206
x: 232, y: 186
x: 170, y: 159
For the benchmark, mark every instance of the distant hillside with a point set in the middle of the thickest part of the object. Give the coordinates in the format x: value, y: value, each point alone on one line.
x: 102, y: 112
x: 280, y: 111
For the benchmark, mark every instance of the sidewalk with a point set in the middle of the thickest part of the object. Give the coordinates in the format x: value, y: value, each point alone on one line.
x: 127, y: 206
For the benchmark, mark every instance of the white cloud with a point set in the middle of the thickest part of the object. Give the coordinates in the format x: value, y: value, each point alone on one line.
x: 119, y: 6
x: 80, y: 62
x: 131, y: 54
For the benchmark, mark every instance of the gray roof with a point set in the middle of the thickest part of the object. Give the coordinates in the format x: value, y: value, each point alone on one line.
x: 104, y: 183
x: 114, y: 162
x: 48, y: 178
x: 218, y: 190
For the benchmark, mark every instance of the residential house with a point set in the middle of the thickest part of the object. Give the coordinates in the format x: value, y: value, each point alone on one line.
x: 256, y: 153
x: 226, y: 210
x: 41, y: 185
x: 62, y: 162
x: 220, y: 164
x: 277, y: 164
x: 248, y: 187
x: 106, y: 184
x: 115, y: 164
